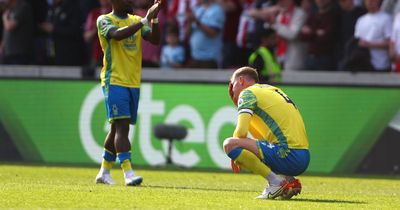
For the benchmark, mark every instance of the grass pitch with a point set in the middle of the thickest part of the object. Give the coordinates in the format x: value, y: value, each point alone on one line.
x: 33, y: 187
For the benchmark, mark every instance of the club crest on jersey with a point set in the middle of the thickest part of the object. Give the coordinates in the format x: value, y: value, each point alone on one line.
x: 240, y: 102
x: 105, y: 22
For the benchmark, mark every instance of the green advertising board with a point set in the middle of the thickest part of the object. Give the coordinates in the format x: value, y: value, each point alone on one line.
x: 64, y: 122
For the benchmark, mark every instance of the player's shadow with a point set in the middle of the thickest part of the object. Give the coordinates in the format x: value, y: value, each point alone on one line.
x: 327, y: 201
x: 241, y: 190
x: 198, y: 188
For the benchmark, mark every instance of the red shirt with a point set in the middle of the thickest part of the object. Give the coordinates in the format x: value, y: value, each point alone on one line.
x: 232, y: 22
x: 90, y: 24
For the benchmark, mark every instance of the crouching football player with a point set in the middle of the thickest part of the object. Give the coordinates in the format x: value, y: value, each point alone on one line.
x: 280, y: 148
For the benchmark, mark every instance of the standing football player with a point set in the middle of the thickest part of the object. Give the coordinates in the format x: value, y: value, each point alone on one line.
x: 120, y: 36
x: 280, y: 148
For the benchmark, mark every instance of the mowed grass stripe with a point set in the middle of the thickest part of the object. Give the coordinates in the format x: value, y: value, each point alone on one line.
x: 33, y: 187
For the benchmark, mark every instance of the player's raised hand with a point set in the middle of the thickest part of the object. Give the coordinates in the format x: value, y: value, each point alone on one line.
x: 153, y: 10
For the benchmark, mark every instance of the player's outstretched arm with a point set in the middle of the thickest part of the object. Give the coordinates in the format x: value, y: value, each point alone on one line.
x: 125, y: 32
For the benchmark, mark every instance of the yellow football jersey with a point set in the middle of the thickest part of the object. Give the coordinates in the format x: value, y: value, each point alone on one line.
x: 275, y: 117
x: 122, y: 62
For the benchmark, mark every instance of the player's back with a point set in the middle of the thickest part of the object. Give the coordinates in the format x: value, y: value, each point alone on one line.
x: 276, y: 117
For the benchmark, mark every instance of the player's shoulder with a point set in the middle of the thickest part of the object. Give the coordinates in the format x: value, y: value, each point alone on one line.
x: 249, y: 92
x: 364, y: 17
x: 258, y: 87
x: 105, y: 19
x: 262, y: 90
x: 247, y: 98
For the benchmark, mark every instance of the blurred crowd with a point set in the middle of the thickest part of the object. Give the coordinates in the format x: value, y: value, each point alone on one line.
x: 271, y: 35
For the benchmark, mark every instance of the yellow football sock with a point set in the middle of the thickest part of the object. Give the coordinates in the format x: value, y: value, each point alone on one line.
x: 250, y: 161
x: 126, y: 165
x: 107, y: 164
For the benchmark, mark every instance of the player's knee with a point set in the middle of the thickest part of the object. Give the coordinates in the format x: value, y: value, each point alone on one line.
x: 229, y: 144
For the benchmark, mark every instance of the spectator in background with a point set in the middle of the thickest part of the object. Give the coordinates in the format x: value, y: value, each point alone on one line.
x: 39, y: 9
x: 3, y: 8
x: 63, y: 26
x: 391, y: 7
x: 86, y: 6
x: 233, y: 9
x: 358, y: 2
x: 349, y: 15
x: 172, y: 54
x: 17, y: 42
x: 307, y: 6
x: 320, y: 31
x: 291, y: 51
x: 246, y: 27
x: 257, y: 12
x: 178, y: 12
x: 150, y: 52
x: 395, y: 44
x: 250, y: 24
x: 91, y: 38
x: 373, y: 31
x: 206, y: 34
x: 264, y: 60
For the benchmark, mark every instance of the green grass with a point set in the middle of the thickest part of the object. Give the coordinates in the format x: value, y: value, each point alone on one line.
x: 33, y: 187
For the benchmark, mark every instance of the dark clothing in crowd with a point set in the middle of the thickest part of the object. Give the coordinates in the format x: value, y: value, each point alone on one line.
x: 230, y: 30
x: 67, y: 35
x: 17, y: 42
x: 40, y: 10
x: 322, y: 46
x: 356, y: 58
x: 254, y: 37
x: 348, y: 21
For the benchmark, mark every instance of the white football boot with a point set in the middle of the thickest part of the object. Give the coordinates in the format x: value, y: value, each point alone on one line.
x: 273, y: 191
x: 103, y: 178
x: 133, y: 180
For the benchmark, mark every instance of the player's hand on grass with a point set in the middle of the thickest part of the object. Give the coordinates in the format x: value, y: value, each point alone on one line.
x: 235, y: 168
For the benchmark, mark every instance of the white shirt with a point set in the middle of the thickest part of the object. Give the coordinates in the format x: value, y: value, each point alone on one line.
x: 170, y: 54
x: 181, y: 15
x: 375, y: 27
x: 396, y: 33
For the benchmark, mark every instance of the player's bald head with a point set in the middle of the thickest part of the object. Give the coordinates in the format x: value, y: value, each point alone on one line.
x: 248, y: 72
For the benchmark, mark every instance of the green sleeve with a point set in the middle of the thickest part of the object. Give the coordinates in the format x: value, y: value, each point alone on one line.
x: 104, y: 25
x: 247, y: 102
